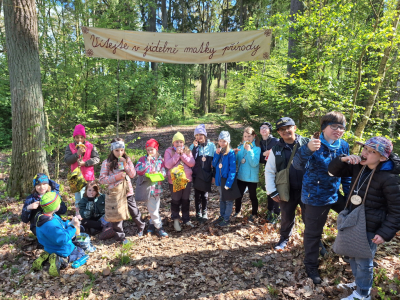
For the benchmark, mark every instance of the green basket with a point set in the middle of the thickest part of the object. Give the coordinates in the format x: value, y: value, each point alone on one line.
x: 155, y: 177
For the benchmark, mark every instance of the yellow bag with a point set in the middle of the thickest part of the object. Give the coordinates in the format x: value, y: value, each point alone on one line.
x: 178, y: 177
x: 76, y: 180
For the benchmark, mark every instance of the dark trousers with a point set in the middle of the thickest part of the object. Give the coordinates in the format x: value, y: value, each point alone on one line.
x: 180, y: 202
x: 135, y: 214
x: 314, y: 219
x: 288, y: 212
x: 200, y: 201
x: 92, y: 223
x: 252, y: 187
x: 273, y: 206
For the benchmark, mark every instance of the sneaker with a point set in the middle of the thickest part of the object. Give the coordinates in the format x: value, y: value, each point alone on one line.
x: 199, y: 218
x: 188, y: 224
x: 235, y: 215
x: 281, y: 244
x: 37, y: 264
x: 350, y: 285
x: 314, y: 275
x: 177, y: 226
x: 125, y: 241
x: 223, y: 223
x: 151, y: 229
x: 251, y: 218
x: 161, y: 233
x: 140, y: 233
x: 204, y: 215
x: 357, y: 296
x: 323, y: 250
x: 219, y: 220
x: 55, y: 265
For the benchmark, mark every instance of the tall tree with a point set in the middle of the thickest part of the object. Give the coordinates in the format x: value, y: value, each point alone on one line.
x: 28, y: 122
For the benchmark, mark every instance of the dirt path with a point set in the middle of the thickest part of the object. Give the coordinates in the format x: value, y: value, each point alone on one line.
x: 205, y: 262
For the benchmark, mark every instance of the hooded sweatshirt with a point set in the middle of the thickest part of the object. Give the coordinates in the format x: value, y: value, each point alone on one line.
x: 55, y: 234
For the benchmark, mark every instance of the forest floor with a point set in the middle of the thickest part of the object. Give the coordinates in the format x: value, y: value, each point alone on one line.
x: 206, y: 262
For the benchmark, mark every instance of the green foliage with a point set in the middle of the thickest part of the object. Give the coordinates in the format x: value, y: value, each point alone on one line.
x: 258, y: 264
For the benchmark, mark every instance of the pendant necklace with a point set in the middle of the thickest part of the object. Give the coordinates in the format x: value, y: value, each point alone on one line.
x: 356, y: 199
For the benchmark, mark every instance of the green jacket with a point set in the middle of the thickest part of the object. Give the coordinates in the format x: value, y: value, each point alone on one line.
x: 92, y: 209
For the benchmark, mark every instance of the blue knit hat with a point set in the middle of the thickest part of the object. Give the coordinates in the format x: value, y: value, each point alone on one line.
x: 224, y: 135
x: 40, y: 178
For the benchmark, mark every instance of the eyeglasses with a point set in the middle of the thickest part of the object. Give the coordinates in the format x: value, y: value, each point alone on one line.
x: 264, y: 128
x: 337, y: 127
x: 285, y: 129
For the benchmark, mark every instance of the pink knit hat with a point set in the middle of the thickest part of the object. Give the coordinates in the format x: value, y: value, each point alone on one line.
x: 79, y: 130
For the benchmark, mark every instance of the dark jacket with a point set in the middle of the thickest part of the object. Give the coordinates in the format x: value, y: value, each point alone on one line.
x: 71, y: 158
x: 278, y: 161
x: 382, y: 204
x: 55, y: 234
x: 92, y: 209
x: 207, y: 149
x: 319, y: 188
x: 29, y: 215
x: 267, y: 145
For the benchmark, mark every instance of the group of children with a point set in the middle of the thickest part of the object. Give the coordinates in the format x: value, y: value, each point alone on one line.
x: 316, y: 169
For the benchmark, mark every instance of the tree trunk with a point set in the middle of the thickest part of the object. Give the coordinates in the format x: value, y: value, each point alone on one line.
x: 203, y: 90
x: 381, y: 75
x: 395, y: 112
x: 152, y: 25
x: 225, y: 86
x: 296, y: 6
x: 28, y: 121
x: 164, y: 14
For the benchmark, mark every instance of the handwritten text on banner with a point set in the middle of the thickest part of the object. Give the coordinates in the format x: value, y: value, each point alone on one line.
x: 178, y: 48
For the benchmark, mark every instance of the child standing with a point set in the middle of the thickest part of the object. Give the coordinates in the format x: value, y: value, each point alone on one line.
x: 55, y: 235
x: 114, y: 171
x: 382, y: 202
x: 248, y: 159
x: 153, y: 163
x: 319, y: 191
x: 92, y: 208
x: 81, y: 154
x: 267, y: 142
x: 41, y: 185
x: 224, y: 163
x: 176, y: 158
x: 203, y: 152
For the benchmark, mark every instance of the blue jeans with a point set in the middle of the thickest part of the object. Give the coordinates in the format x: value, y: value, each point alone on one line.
x: 363, y: 269
x: 225, y: 207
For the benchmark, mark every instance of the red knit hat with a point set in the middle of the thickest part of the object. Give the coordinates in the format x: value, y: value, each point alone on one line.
x: 152, y: 143
x: 79, y: 130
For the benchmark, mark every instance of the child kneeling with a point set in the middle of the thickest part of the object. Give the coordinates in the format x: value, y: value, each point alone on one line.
x: 55, y: 235
x: 375, y: 178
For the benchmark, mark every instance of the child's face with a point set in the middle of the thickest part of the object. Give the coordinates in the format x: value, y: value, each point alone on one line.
x: 42, y: 188
x: 118, y: 152
x: 151, y: 151
x: 333, y: 132
x: 287, y: 133
x: 201, y: 138
x: 222, y: 143
x: 264, y: 131
x: 91, y: 192
x: 79, y: 139
x: 247, y: 137
x: 370, y: 157
x: 178, y: 144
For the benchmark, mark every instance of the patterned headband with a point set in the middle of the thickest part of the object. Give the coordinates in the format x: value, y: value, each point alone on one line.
x: 116, y: 145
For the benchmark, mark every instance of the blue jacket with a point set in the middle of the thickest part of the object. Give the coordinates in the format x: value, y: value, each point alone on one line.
x: 228, y: 170
x: 319, y: 188
x: 249, y: 170
x: 55, y: 234
x: 28, y: 215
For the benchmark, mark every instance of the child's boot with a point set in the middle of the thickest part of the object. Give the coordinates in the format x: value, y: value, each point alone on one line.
x: 151, y: 229
x: 198, y: 216
x: 204, y: 216
x: 161, y: 233
x: 37, y: 264
x: 55, y: 265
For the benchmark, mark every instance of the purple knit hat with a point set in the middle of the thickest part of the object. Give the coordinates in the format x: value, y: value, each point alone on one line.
x: 380, y: 144
x: 201, y: 129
